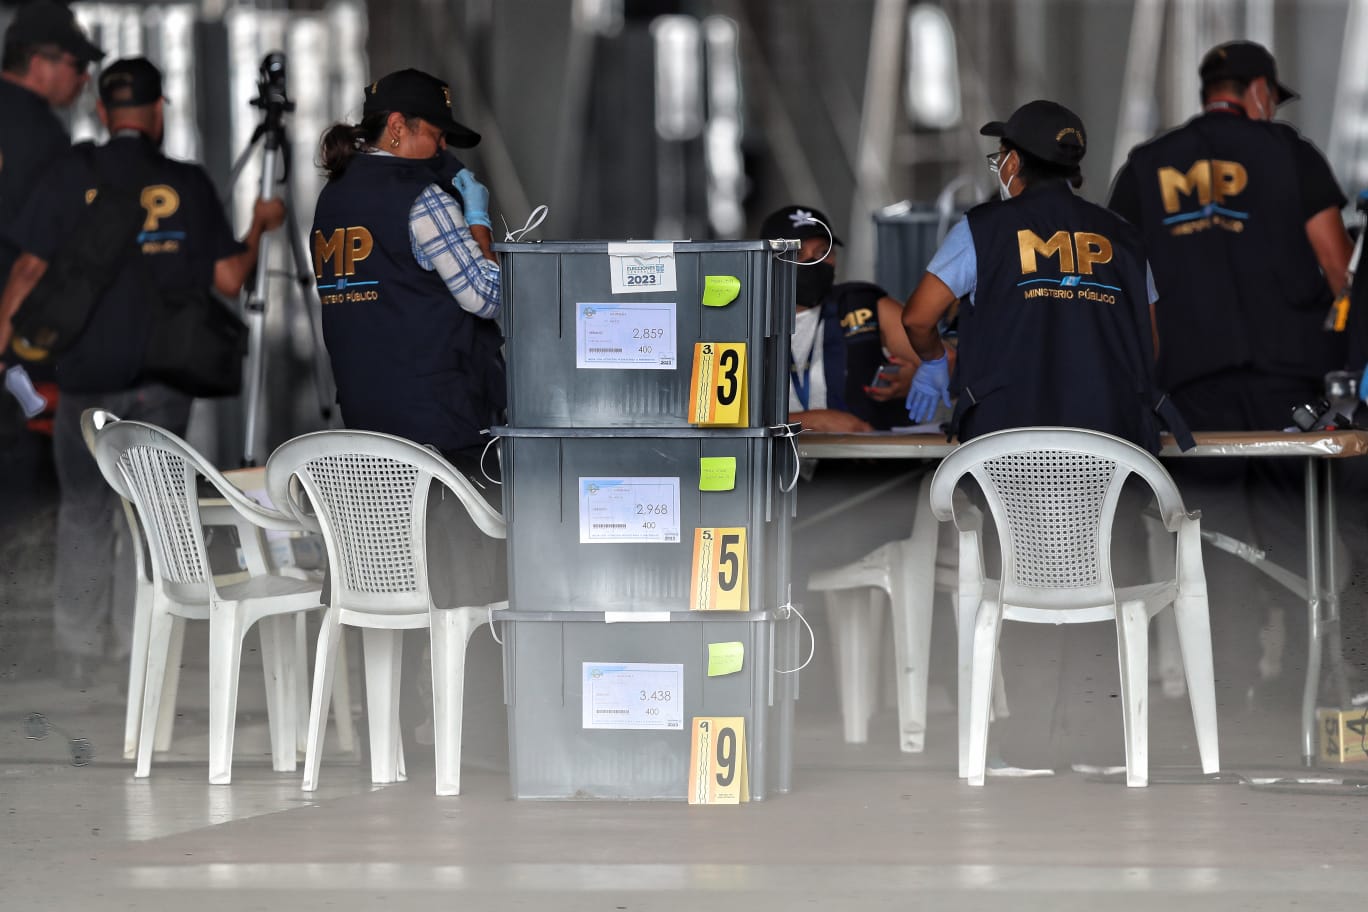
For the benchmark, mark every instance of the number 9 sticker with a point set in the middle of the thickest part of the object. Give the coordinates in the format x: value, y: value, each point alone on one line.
x: 718, y: 771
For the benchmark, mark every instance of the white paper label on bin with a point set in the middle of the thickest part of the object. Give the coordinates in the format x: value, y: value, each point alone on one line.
x: 633, y: 695
x: 625, y: 336
x: 636, y: 267
x: 628, y: 510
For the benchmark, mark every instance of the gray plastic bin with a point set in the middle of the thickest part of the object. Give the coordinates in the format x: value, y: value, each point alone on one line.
x: 550, y: 568
x: 553, y: 755
x: 543, y: 284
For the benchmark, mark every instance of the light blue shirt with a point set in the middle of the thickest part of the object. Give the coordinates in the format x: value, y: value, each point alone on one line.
x: 956, y: 264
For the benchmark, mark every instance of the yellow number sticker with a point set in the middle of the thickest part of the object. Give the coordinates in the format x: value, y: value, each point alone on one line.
x: 720, y: 571
x: 717, y: 761
x: 717, y: 391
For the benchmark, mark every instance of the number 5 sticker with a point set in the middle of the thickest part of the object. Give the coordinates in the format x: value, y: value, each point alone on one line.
x: 719, y: 581
x: 717, y: 761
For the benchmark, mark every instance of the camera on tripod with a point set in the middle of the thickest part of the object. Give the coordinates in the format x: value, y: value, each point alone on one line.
x: 271, y: 94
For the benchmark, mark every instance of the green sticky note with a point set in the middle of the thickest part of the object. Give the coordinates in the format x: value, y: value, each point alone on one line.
x: 720, y: 290
x: 725, y: 658
x: 716, y: 473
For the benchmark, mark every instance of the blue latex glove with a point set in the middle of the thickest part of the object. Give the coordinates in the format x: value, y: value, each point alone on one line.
x: 1363, y: 390
x: 475, y: 196
x: 930, y: 387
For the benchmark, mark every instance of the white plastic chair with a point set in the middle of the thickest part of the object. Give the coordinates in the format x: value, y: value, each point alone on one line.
x: 157, y: 472
x: 92, y: 420
x: 906, y: 574
x: 368, y: 494
x: 1052, y: 493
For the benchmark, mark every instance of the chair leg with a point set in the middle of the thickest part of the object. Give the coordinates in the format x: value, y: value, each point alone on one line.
x: 853, y: 635
x: 383, y: 657
x: 158, y: 646
x: 225, y: 660
x: 341, y: 699
x: 1132, y: 635
x: 1194, y: 638
x: 299, y: 680
x: 986, y: 627
x: 137, y: 667
x: 166, y: 721
x: 965, y: 612
x: 451, y: 629
x: 330, y: 639
x: 277, y: 665
x: 1170, y: 655
x: 913, y: 598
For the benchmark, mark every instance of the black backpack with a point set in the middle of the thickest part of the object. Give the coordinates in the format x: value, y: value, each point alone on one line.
x: 196, y: 343
x: 59, y: 307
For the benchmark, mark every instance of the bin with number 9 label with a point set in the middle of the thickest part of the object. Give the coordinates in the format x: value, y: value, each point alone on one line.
x: 603, y: 710
x: 600, y: 334
x: 624, y: 521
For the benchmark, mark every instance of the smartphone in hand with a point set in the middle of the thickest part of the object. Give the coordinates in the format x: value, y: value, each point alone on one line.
x: 884, y: 376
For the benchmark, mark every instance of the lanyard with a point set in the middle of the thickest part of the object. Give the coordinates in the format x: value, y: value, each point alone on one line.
x: 802, y: 376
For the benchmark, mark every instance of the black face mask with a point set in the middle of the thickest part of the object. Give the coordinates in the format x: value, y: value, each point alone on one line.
x: 814, y: 281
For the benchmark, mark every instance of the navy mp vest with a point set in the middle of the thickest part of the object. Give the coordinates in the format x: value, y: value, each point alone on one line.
x: 1059, y: 331
x: 857, y: 305
x: 1238, y: 281
x: 408, y: 360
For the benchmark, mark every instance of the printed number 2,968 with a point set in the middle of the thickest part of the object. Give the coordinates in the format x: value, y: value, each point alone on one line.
x: 649, y: 279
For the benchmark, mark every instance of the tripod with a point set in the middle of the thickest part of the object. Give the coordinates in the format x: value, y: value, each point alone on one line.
x: 275, y: 104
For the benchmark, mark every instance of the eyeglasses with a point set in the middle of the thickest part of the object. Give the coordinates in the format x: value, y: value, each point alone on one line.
x: 994, y: 161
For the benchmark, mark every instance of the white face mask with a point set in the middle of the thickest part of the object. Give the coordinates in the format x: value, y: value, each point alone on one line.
x: 1004, y: 188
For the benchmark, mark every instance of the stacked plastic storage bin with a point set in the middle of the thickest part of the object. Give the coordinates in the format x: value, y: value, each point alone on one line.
x: 618, y: 480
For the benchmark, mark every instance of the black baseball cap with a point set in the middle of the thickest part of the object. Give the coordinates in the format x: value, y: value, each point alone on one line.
x: 43, y: 22
x: 798, y: 222
x: 416, y: 94
x: 1245, y: 61
x: 1045, y: 129
x: 130, y: 82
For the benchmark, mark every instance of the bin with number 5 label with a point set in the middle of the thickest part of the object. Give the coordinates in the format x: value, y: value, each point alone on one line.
x: 600, y: 334
x: 600, y: 710
x: 647, y: 520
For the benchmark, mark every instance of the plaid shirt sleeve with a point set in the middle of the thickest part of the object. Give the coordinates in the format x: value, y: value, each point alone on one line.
x: 442, y: 242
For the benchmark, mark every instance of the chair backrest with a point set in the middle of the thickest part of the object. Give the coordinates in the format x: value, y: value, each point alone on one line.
x: 94, y: 420
x: 367, y: 492
x: 1053, y: 493
x: 157, y: 471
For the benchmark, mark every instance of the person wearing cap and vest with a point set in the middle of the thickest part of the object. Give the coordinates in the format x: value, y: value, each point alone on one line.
x: 45, y: 66
x: 186, y: 243
x: 410, y: 288
x: 1241, y: 218
x: 1058, y: 327
x: 844, y: 333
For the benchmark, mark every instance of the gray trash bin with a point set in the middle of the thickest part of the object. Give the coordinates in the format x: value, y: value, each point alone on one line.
x: 906, y: 237
x: 557, y: 377
x: 554, y: 754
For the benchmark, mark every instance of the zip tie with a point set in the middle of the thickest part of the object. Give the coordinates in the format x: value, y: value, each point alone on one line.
x: 784, y: 611
x: 483, y: 453
x: 797, y: 460
x: 491, y: 625
x: 514, y: 235
x: 801, y: 218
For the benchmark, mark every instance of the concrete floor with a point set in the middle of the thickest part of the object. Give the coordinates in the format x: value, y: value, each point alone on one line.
x: 864, y: 827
